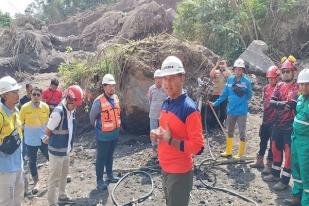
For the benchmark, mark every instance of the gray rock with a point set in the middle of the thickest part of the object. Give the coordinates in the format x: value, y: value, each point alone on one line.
x: 256, y: 59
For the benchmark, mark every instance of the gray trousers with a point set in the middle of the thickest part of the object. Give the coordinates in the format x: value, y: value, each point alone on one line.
x: 177, y: 188
x: 241, y: 122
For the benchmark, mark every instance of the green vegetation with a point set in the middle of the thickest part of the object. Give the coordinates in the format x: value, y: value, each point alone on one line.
x: 57, y: 10
x: 5, y: 19
x: 227, y: 26
x: 90, y: 71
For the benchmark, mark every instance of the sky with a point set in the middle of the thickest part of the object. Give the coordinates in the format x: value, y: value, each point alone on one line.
x: 14, y: 6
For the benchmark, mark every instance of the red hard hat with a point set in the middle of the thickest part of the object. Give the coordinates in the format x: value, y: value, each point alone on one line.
x: 272, y: 72
x: 75, y: 92
x: 287, y: 64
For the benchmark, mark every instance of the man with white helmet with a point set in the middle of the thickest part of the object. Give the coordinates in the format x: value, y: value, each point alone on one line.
x: 179, y: 136
x: 300, y: 144
x: 11, y: 170
x: 156, y: 96
x: 59, y: 136
x: 238, y: 91
x: 105, y: 117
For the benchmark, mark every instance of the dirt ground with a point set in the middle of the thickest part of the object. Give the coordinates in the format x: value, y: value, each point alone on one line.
x: 134, y: 152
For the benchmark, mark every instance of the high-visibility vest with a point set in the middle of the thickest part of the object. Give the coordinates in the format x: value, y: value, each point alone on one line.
x: 110, y: 116
x: 10, y: 123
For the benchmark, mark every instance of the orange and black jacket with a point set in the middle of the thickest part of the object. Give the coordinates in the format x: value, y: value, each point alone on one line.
x: 184, y: 121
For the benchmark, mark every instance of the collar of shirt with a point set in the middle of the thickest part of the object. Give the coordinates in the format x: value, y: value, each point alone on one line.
x: 40, y: 105
x: 64, y: 102
x: 7, y: 110
x: 179, y: 98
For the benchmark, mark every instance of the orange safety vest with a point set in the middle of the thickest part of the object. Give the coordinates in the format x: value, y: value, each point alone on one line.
x: 110, y: 117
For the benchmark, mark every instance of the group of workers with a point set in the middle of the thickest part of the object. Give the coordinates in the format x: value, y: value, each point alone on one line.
x: 46, y: 121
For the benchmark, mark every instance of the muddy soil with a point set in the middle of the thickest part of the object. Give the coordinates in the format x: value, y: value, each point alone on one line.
x: 135, y: 152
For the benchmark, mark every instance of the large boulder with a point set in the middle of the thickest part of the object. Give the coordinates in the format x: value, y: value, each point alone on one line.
x: 125, y: 20
x: 258, y: 62
x: 138, y: 63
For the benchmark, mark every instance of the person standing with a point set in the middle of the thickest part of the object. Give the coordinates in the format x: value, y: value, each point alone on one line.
x: 33, y: 117
x: 272, y: 76
x: 105, y: 117
x: 238, y: 91
x: 27, y: 97
x: 156, y: 96
x: 284, y: 101
x: 59, y: 135
x: 300, y: 144
x: 218, y: 74
x: 52, y: 95
x: 179, y: 136
x: 11, y: 164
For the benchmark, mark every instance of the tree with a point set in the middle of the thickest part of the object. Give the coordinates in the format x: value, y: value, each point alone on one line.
x: 226, y: 26
x: 5, y: 19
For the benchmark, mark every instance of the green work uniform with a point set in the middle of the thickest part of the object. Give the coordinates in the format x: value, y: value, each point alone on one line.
x: 300, y: 151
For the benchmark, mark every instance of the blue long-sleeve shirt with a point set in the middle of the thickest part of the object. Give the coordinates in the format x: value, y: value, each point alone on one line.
x: 236, y: 105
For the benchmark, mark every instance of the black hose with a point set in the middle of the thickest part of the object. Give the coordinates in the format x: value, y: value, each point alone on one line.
x: 213, y: 162
x: 139, y: 199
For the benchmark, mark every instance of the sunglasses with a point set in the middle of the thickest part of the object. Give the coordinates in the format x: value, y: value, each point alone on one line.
x: 71, y: 98
x: 36, y: 94
x: 286, y: 72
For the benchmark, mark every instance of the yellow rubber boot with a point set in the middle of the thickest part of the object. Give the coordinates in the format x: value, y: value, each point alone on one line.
x: 241, y: 150
x: 229, y: 147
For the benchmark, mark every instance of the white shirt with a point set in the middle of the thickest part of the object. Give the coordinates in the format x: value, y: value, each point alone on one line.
x: 54, y: 121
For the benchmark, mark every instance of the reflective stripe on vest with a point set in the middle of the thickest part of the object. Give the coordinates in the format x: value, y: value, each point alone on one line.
x: 110, y: 117
x: 301, y: 122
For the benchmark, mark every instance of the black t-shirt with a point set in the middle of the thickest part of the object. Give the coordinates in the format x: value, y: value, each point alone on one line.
x: 24, y: 100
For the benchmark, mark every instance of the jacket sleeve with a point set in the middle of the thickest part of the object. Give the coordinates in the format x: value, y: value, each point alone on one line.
x: 195, y: 143
x: 95, y: 111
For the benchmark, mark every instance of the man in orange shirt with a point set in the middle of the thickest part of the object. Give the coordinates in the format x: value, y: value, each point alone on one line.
x: 52, y: 95
x: 179, y: 136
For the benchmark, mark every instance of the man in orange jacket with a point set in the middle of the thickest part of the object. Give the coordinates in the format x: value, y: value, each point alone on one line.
x: 179, y: 136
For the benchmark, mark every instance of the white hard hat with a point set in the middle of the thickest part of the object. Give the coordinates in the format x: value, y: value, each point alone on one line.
x: 172, y: 65
x: 303, y: 76
x: 8, y: 84
x: 157, y: 73
x: 239, y: 63
x: 108, y: 79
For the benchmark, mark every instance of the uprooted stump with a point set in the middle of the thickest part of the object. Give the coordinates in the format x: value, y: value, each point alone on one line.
x: 133, y: 64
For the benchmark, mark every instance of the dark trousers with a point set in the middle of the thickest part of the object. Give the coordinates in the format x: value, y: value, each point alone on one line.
x: 211, y: 121
x: 105, y: 151
x: 281, y: 143
x: 177, y: 188
x: 265, y: 135
x: 33, y: 154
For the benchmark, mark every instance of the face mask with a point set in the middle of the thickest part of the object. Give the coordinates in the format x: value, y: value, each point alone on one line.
x: 287, y: 76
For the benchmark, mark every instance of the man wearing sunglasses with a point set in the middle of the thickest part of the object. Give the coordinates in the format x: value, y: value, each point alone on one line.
x: 284, y: 101
x: 34, y: 116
